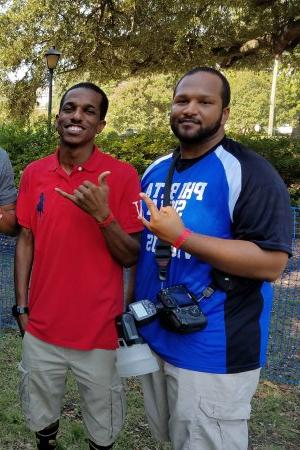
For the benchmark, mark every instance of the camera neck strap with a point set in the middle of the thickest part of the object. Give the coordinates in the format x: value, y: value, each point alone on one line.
x: 162, y: 248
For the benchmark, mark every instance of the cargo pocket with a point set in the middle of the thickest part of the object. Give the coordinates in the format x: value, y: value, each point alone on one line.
x: 118, y: 409
x: 218, y: 425
x: 24, y: 391
x: 221, y: 426
x: 226, y: 411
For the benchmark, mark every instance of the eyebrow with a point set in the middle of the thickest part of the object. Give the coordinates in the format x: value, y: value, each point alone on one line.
x: 207, y: 96
x: 70, y: 103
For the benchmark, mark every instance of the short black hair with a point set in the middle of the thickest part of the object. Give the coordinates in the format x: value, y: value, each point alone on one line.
x: 93, y: 87
x: 225, y: 84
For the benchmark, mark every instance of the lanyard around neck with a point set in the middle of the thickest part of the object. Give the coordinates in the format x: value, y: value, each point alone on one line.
x: 162, y: 248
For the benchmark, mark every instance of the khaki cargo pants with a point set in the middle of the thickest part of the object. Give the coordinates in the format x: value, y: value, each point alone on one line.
x: 197, y: 410
x: 43, y: 372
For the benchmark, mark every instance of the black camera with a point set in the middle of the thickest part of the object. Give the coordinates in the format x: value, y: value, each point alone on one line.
x: 179, y: 310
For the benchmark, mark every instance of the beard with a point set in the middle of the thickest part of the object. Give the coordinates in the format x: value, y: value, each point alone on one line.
x: 199, y: 136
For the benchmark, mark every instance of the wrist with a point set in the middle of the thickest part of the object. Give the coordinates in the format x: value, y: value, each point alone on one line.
x: 18, y: 310
x: 104, y: 222
x: 182, y: 238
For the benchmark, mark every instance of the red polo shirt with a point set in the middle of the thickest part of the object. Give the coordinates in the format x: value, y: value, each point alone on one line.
x: 76, y: 287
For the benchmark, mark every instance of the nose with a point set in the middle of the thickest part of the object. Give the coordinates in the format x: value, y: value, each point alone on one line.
x: 77, y: 115
x: 191, y: 108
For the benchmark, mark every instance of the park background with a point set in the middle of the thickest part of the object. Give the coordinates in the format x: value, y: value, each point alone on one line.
x: 136, y: 50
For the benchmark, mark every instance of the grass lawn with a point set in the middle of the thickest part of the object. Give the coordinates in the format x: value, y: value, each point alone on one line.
x: 275, y: 422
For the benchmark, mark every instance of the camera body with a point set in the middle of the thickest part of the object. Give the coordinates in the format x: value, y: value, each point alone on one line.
x: 179, y: 310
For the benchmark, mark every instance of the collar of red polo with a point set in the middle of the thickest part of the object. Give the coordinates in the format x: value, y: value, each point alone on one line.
x: 88, y: 165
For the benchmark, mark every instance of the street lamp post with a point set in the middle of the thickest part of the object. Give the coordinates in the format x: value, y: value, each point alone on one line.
x: 52, y: 57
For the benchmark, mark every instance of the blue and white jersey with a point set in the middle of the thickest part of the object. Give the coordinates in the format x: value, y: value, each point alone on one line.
x: 230, y: 193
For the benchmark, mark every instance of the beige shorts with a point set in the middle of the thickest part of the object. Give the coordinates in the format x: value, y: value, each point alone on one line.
x: 197, y: 410
x: 43, y: 372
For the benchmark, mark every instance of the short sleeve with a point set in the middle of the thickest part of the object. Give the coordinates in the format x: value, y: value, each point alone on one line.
x: 24, y: 201
x: 8, y: 191
x: 262, y: 213
x: 130, y: 203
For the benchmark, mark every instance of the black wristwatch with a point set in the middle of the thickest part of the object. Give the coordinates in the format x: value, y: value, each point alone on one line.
x: 18, y: 310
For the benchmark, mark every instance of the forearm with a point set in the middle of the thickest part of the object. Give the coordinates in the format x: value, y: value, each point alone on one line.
x: 23, y: 265
x: 123, y: 247
x: 237, y: 257
x: 129, y: 293
x: 8, y: 223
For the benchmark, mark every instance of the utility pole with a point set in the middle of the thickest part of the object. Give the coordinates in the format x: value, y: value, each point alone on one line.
x: 273, y: 96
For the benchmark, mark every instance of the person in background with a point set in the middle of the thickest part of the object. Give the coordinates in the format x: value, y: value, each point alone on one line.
x: 79, y: 228
x: 8, y: 196
x: 229, y: 226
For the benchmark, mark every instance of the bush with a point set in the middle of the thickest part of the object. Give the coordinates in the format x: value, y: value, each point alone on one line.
x: 141, y: 149
x: 25, y: 144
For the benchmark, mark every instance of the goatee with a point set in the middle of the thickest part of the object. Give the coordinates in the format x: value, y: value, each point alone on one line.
x: 199, y: 136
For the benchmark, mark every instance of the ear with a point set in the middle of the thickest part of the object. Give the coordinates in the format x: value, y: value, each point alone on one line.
x: 56, y: 121
x: 101, y: 126
x: 225, y: 115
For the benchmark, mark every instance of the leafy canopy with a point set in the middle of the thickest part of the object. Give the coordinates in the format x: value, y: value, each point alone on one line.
x: 113, y: 39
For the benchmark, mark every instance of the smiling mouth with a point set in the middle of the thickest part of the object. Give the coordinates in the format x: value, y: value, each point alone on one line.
x: 74, y: 129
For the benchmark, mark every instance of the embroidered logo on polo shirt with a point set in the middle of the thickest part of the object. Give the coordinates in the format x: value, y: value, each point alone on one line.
x: 40, y: 205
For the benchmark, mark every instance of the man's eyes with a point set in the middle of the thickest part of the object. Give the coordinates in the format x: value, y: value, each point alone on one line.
x: 201, y: 102
x: 72, y: 108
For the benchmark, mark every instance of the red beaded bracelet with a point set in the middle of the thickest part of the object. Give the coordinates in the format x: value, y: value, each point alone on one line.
x: 180, y: 240
x: 109, y: 219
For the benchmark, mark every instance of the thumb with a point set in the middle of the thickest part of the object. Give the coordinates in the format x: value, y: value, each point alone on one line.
x: 102, y: 177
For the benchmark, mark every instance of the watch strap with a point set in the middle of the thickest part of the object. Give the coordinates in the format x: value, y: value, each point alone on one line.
x: 18, y: 310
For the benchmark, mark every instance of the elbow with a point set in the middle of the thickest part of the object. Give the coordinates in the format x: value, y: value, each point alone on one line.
x: 276, y: 271
x: 131, y: 257
x: 273, y: 276
x: 130, y: 261
x: 13, y: 231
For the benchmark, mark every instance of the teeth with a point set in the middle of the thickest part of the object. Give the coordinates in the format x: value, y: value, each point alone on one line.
x: 74, y: 128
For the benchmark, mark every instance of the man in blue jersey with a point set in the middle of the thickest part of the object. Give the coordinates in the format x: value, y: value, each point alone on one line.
x: 229, y: 228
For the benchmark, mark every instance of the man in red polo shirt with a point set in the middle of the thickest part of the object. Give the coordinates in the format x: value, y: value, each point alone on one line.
x: 79, y: 228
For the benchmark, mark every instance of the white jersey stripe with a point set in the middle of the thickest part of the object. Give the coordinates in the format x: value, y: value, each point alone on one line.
x: 233, y: 172
x: 157, y: 161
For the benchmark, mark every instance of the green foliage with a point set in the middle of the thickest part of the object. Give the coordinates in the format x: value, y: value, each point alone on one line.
x: 249, y: 100
x: 143, y: 103
x: 104, y: 40
x: 138, y: 149
x: 288, y: 96
x: 282, y: 152
x: 25, y: 144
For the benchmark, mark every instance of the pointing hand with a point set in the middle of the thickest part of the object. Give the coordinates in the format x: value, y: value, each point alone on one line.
x: 91, y: 198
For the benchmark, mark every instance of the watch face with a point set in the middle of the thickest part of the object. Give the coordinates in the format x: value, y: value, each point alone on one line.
x: 17, y: 310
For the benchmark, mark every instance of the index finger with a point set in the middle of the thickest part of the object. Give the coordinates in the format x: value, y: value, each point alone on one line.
x: 65, y: 194
x: 151, y: 206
